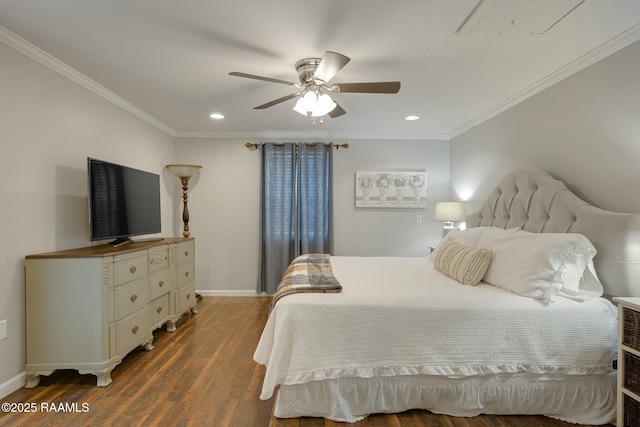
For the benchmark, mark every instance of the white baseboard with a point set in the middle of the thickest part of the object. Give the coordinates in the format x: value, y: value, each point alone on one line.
x: 12, y: 385
x: 228, y: 293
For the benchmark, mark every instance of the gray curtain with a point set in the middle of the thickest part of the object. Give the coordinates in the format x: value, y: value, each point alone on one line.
x: 296, y: 206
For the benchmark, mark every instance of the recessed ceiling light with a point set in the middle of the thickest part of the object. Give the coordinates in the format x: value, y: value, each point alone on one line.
x: 216, y: 116
x: 412, y: 118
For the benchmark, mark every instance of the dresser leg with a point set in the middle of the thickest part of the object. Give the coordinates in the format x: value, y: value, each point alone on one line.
x: 103, y: 376
x: 148, y: 346
x: 33, y: 379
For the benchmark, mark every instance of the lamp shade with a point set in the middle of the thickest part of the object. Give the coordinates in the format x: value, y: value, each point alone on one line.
x: 184, y: 171
x: 449, y: 211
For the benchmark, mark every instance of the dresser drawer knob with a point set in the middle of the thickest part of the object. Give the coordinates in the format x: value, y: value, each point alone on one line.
x: 188, y: 296
x: 186, y: 253
x: 132, y: 269
x: 133, y: 298
x: 186, y: 274
x: 134, y: 330
x: 157, y: 260
x: 158, y: 310
x: 161, y: 283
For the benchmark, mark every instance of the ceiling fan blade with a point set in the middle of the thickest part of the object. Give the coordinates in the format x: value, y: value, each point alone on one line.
x: 373, y: 87
x: 331, y: 63
x: 276, y: 101
x: 266, y: 79
x: 337, y: 112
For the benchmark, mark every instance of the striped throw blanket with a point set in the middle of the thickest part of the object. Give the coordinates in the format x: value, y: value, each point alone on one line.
x: 307, y: 273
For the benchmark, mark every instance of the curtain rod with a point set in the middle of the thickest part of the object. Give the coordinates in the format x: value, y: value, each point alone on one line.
x: 251, y: 146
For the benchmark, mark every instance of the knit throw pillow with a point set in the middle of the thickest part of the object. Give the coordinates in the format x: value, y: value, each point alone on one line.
x: 461, y: 263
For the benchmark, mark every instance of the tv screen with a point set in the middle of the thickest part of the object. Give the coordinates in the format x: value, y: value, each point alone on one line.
x: 123, y: 201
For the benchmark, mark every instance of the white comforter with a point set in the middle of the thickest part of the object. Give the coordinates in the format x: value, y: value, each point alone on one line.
x: 398, y: 316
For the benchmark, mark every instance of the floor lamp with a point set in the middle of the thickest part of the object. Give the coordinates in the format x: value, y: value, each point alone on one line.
x: 184, y: 172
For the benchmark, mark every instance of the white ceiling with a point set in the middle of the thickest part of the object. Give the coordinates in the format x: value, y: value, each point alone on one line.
x: 459, y: 62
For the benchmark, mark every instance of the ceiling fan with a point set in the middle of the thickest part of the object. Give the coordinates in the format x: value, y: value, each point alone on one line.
x: 315, y: 74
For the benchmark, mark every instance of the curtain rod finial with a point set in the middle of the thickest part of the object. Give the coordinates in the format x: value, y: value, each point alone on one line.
x: 251, y: 146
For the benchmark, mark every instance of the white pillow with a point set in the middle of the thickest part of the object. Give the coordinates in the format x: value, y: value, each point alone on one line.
x: 541, y: 265
x: 469, y: 237
x: 587, y: 288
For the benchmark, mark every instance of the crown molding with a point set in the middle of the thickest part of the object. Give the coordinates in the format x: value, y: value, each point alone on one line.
x: 314, y: 134
x: 619, y: 42
x: 28, y: 49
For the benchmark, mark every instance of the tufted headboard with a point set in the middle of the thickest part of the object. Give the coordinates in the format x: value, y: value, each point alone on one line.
x: 533, y: 200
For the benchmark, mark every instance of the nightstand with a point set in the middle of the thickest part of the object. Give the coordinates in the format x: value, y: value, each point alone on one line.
x: 628, y: 362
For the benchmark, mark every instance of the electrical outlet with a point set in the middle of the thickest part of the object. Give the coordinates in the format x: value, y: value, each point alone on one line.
x: 418, y: 219
x: 3, y: 329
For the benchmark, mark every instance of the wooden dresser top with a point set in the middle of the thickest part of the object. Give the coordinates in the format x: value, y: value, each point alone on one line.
x: 109, y: 250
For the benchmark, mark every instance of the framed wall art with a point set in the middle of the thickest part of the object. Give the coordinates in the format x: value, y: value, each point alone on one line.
x: 389, y: 189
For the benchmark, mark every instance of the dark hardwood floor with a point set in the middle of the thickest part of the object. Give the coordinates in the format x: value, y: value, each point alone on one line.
x: 201, y: 375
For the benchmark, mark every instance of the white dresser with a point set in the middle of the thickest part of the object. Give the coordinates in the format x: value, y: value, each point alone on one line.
x: 87, y: 308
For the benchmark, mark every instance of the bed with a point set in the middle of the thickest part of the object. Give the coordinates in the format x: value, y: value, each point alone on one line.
x: 407, y: 333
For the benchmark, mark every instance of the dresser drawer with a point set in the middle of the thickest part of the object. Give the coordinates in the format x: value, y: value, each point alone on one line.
x: 186, y: 297
x: 631, y: 374
x: 131, y: 331
x: 131, y: 297
x: 631, y: 328
x: 160, y: 283
x: 128, y: 268
x: 159, y: 310
x: 185, y: 252
x: 185, y: 274
x: 631, y: 412
x: 159, y: 259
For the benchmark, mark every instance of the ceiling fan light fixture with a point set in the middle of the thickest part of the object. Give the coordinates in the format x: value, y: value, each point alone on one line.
x: 309, y: 101
x: 298, y: 108
x: 310, y: 104
x: 324, y: 106
x: 314, y: 75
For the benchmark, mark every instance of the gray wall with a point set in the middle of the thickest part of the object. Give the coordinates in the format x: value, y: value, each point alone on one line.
x: 224, y: 206
x: 388, y: 232
x: 584, y: 130
x: 50, y: 126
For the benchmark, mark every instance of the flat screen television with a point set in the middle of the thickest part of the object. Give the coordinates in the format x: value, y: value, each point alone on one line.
x: 123, y: 202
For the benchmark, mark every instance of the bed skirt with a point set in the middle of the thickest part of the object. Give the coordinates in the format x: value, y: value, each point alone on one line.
x: 576, y: 399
